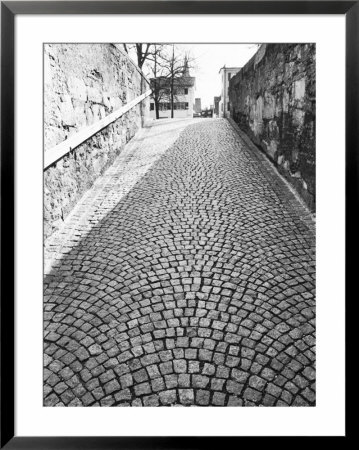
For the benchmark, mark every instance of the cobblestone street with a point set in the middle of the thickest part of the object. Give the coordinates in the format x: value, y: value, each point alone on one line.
x: 184, y: 276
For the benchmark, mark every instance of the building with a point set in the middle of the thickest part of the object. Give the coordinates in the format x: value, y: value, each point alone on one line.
x: 197, y: 105
x: 184, y: 88
x: 226, y: 74
x: 216, y: 101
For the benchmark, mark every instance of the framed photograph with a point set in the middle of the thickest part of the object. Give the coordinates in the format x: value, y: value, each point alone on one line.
x: 176, y: 182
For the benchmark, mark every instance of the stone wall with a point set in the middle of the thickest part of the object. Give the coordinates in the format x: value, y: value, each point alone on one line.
x: 84, y: 83
x: 273, y: 101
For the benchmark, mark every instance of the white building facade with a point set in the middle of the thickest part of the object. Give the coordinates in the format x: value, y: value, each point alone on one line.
x: 183, y: 100
x: 226, y: 74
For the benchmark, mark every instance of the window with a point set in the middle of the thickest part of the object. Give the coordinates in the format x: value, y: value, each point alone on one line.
x: 176, y: 106
x: 228, y: 107
x: 179, y: 105
x: 152, y: 106
x: 180, y: 91
x: 182, y: 105
x: 165, y: 106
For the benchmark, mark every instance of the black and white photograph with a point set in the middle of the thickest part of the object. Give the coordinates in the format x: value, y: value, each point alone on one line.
x: 179, y: 224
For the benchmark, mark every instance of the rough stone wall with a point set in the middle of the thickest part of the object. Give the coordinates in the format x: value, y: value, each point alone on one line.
x: 273, y: 101
x: 84, y: 83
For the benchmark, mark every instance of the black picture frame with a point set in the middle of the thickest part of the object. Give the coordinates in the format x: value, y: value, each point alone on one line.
x: 9, y: 10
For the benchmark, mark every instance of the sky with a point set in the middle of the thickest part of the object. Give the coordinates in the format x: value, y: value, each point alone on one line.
x: 208, y: 59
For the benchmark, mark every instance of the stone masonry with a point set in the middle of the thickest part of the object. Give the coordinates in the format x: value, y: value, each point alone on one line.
x: 190, y: 282
x: 273, y: 101
x: 83, y: 84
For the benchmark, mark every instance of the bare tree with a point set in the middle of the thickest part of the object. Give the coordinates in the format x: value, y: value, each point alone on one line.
x: 168, y: 66
x: 142, y: 51
x: 157, y: 82
x: 149, y: 53
x: 177, y: 65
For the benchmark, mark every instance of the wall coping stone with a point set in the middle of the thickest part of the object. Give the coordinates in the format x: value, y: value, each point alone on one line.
x: 59, y: 151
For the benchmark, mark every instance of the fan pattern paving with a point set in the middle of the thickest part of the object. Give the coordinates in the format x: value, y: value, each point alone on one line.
x: 195, y: 288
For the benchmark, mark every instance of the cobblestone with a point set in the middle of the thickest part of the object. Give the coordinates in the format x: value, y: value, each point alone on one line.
x: 187, y: 280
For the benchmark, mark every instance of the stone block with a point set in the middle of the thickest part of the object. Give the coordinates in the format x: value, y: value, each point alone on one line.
x: 77, y: 88
x: 299, y: 89
x: 94, y: 95
x: 269, y: 106
x: 298, y: 117
x: 67, y: 112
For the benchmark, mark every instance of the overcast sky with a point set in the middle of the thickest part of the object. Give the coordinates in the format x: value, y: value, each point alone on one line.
x: 209, y: 58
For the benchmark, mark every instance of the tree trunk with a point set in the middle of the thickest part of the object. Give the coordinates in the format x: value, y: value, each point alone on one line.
x: 172, y: 95
x: 172, y: 103
x: 157, y: 108
x: 142, y: 104
x: 155, y: 96
x: 172, y: 78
